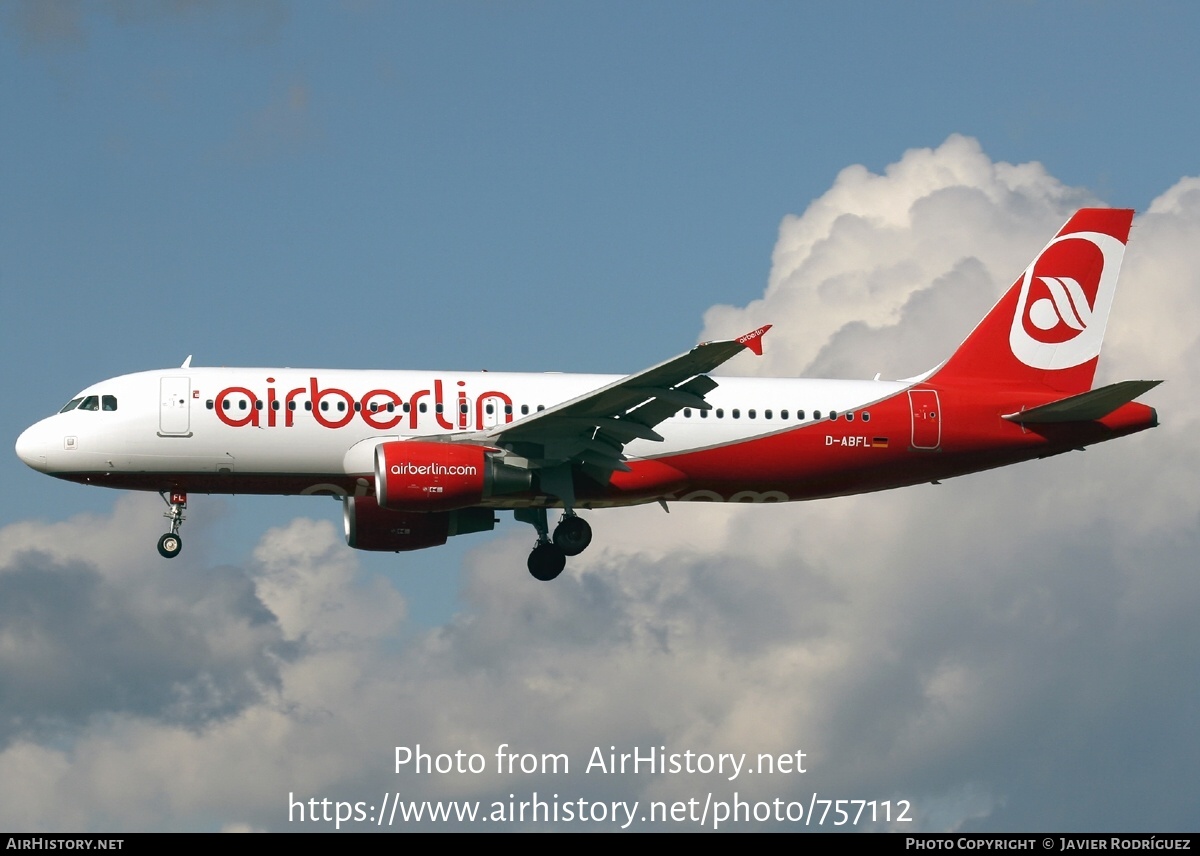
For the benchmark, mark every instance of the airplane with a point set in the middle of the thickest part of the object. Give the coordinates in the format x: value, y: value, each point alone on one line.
x: 420, y: 457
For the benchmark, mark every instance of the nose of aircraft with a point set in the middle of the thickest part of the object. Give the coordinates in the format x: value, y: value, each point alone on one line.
x: 32, y: 448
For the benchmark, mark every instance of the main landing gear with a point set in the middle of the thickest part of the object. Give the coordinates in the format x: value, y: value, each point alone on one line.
x: 170, y: 544
x: 549, y: 556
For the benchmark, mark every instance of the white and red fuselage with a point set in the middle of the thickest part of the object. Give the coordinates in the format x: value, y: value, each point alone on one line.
x: 421, y: 456
x: 287, y: 431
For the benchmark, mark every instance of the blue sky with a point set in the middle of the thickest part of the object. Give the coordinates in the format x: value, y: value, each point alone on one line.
x: 526, y: 186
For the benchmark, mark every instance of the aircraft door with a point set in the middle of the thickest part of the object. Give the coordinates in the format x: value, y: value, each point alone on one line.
x: 174, y: 416
x: 926, y: 419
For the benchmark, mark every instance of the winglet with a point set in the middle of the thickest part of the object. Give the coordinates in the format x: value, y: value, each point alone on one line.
x: 753, y: 340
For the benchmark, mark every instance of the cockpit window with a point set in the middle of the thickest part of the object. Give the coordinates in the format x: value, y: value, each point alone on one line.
x: 91, y: 402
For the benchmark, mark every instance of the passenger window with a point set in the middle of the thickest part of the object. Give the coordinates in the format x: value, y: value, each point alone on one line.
x: 508, y: 410
x: 849, y: 415
x: 524, y: 409
x: 687, y: 413
x: 735, y: 413
x: 750, y: 414
x: 817, y: 414
x: 423, y: 407
x: 209, y: 404
x: 720, y: 413
x: 783, y: 414
x: 866, y: 414
x: 766, y: 414
x: 541, y: 407
x: 488, y: 409
x: 703, y: 414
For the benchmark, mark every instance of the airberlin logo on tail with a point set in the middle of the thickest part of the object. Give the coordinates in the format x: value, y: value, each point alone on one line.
x: 1067, y: 305
x: 1065, y: 297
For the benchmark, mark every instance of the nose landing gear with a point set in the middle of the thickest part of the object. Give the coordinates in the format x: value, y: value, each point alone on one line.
x: 170, y: 544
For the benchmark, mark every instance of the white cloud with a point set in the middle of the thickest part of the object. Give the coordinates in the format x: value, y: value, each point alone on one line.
x: 1007, y: 651
x: 881, y: 260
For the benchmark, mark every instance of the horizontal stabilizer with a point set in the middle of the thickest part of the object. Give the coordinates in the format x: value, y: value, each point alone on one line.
x: 1087, y: 406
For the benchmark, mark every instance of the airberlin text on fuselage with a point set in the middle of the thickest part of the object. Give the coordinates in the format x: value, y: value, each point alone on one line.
x: 278, y: 409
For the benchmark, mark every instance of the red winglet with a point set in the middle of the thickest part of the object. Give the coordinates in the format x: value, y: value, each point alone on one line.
x: 753, y: 340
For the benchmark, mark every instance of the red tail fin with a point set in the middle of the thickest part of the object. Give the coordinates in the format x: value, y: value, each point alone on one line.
x: 1048, y: 328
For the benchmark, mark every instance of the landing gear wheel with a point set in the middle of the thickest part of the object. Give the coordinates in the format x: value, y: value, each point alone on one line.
x: 546, y: 561
x: 169, y: 545
x: 572, y: 535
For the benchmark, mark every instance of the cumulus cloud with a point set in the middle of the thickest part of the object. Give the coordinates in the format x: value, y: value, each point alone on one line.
x: 1010, y: 650
x: 136, y: 689
x: 887, y: 273
x: 88, y: 633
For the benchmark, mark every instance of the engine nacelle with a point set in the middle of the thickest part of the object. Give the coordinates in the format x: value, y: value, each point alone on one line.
x: 416, y: 475
x: 369, y: 527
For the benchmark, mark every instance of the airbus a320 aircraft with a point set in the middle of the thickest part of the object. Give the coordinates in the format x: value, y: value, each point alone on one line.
x: 418, y: 457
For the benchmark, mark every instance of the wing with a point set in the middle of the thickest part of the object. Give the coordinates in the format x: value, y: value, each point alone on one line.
x: 592, y: 430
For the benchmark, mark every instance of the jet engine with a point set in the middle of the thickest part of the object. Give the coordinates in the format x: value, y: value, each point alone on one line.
x: 369, y: 527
